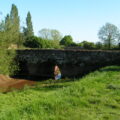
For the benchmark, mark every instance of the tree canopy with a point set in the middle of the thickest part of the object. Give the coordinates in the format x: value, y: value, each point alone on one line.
x: 50, y: 34
x: 67, y: 40
x: 29, y: 29
x: 109, y: 34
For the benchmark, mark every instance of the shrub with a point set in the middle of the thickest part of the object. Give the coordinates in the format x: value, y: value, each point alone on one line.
x: 32, y: 42
x: 8, y: 66
x: 37, y: 42
x: 87, y: 45
x: 67, y: 40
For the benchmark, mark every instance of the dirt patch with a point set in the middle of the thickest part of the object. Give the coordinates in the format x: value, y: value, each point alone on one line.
x: 8, y: 84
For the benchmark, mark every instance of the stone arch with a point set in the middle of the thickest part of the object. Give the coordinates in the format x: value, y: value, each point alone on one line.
x: 46, y: 68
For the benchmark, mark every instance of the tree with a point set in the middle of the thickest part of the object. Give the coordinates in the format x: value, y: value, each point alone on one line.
x: 9, y: 34
x: 50, y: 34
x: 29, y: 30
x: 32, y: 42
x: 2, y: 23
x: 109, y: 34
x: 5, y: 37
x: 98, y: 45
x: 15, y: 24
x: 7, y: 62
x: 87, y: 45
x: 53, y: 35
x: 7, y: 23
x: 56, y: 35
x: 12, y: 27
x: 45, y: 33
x: 28, y: 34
x: 8, y: 28
x: 15, y: 18
x: 37, y: 42
x: 67, y: 40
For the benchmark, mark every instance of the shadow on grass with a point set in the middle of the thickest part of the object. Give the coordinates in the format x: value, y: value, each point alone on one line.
x: 110, y: 69
x: 48, y: 87
x: 52, y: 85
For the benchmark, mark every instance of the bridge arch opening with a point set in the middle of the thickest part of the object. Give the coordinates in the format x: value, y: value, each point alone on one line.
x: 37, y: 71
x: 46, y: 69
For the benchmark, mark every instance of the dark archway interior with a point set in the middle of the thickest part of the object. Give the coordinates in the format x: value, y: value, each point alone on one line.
x: 23, y: 70
x: 38, y: 71
x: 46, y: 69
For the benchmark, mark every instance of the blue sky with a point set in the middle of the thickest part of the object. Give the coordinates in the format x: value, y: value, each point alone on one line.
x: 80, y: 18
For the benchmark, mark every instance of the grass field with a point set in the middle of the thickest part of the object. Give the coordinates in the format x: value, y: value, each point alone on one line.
x: 96, y: 96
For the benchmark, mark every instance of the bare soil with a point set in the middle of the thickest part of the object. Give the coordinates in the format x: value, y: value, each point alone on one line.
x: 7, y: 84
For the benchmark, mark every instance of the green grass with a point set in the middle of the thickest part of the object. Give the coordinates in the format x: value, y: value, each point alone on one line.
x: 93, y: 97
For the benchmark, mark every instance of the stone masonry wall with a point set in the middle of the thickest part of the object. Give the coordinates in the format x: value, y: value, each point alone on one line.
x: 72, y: 63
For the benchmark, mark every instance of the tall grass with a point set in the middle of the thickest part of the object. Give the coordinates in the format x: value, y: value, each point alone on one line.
x: 93, y: 97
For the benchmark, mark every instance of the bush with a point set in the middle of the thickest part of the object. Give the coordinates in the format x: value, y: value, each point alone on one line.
x: 32, y: 42
x: 8, y: 66
x: 99, y: 45
x: 87, y: 45
x: 66, y: 41
x: 37, y: 42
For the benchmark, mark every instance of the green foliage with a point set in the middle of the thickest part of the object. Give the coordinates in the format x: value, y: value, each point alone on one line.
x: 10, y: 29
x: 50, y: 34
x: 87, y: 45
x: 32, y: 42
x: 67, y: 40
x: 49, y: 44
x: 93, y: 97
x: 29, y: 30
x: 15, y: 24
x: 109, y: 34
x: 49, y: 39
x: 37, y: 42
x: 56, y: 35
x: 8, y: 24
x: 2, y: 26
x: 8, y: 66
x: 5, y: 38
x: 28, y: 35
x: 98, y: 45
x: 74, y: 44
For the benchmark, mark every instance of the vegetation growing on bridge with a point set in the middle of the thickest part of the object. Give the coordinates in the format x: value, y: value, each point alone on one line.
x: 95, y: 96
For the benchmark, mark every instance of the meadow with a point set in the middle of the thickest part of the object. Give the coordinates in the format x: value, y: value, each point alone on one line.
x: 95, y: 96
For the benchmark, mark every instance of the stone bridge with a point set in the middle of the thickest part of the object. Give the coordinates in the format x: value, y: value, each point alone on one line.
x: 72, y: 63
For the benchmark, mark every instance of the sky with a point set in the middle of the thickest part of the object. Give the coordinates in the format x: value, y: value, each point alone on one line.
x: 81, y: 19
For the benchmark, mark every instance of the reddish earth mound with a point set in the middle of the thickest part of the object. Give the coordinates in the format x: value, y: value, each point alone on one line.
x: 7, y: 83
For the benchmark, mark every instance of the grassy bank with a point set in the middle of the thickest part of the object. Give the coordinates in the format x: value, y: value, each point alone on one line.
x: 93, y: 97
